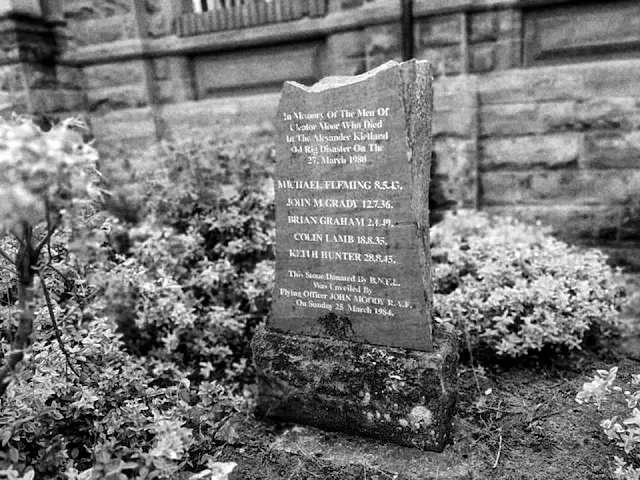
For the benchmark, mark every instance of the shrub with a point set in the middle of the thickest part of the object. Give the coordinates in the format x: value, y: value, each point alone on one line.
x: 198, y: 271
x: 114, y: 421
x: 624, y: 432
x: 149, y: 317
x: 515, y: 289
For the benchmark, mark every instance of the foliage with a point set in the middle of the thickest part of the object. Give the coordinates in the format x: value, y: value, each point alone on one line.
x: 115, y: 421
x: 155, y: 305
x: 42, y: 176
x: 41, y: 173
x: 625, y: 433
x: 514, y: 289
x: 198, y: 273
x: 158, y: 295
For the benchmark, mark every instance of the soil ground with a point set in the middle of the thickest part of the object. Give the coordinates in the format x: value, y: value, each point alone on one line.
x: 514, y: 422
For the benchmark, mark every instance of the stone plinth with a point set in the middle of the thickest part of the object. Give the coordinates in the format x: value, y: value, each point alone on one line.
x: 391, y: 394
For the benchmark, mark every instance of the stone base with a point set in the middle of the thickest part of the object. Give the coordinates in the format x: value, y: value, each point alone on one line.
x: 391, y: 394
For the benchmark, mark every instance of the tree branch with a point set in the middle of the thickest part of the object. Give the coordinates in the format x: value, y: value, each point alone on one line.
x: 56, y: 329
x: 50, y: 229
x: 56, y: 271
x: 18, y: 238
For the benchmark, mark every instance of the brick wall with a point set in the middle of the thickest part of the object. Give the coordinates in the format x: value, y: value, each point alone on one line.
x: 537, y: 102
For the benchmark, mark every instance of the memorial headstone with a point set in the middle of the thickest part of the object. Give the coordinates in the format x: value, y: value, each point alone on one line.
x: 350, y: 344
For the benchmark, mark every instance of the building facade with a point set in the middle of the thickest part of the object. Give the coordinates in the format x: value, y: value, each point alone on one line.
x: 537, y: 101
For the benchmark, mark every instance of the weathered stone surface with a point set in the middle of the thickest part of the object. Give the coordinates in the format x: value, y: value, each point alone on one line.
x: 521, y: 86
x: 160, y: 25
x: 527, y: 118
x: 52, y: 101
x: 161, y: 68
x: 458, y: 122
x: 174, y: 90
x: 495, y: 40
x: 70, y: 78
x: 614, y: 78
x: 567, y: 82
x: 19, y: 102
x: 599, y: 98
x: 382, y: 44
x: 267, y: 66
x: 351, y: 225
x: 173, y: 79
x: 40, y: 76
x: 524, y: 153
x: 453, y: 93
x: 345, y: 66
x: 116, y: 98
x: 87, y: 9
x: 612, y: 149
x: 347, y: 4
x: 510, y: 23
x: 402, y: 396
x: 114, y: 74
x: 507, y: 53
x: 349, y: 44
x: 571, y: 222
x: 191, y: 118
x: 630, y: 221
x: 454, y: 171
x: 560, y: 187
x: 345, y: 54
x: 484, y: 26
x: 103, y: 30
x: 445, y: 60
x: 26, y: 39
x: 602, y: 113
x: 28, y: 7
x: 12, y: 78
x: 439, y: 30
x: 560, y: 32
x: 455, y: 106
x: 125, y: 127
x: 516, y: 118
x: 482, y: 57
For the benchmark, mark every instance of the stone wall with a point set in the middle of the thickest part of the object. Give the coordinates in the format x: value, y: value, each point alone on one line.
x: 561, y: 144
x: 537, y: 101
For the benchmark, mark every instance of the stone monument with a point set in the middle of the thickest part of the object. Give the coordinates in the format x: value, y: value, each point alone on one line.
x: 350, y: 344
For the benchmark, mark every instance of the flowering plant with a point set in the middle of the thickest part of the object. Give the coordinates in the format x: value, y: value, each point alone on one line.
x: 625, y: 433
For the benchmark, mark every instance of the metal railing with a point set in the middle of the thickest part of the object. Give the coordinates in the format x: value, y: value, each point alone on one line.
x: 216, y: 15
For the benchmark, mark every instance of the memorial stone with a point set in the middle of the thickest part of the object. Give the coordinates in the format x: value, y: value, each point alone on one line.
x: 350, y: 344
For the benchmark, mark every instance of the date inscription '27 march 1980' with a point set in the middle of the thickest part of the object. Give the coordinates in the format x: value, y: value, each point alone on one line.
x: 351, y: 186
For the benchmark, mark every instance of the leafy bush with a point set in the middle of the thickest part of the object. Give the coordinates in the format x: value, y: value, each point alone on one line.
x: 151, y: 313
x: 114, y: 421
x: 198, y: 272
x: 515, y: 290
x: 625, y: 433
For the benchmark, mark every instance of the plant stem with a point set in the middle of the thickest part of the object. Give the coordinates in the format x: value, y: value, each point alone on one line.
x: 25, y: 263
x: 56, y: 328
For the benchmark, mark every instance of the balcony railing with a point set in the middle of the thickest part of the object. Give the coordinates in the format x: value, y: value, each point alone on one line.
x: 216, y: 15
